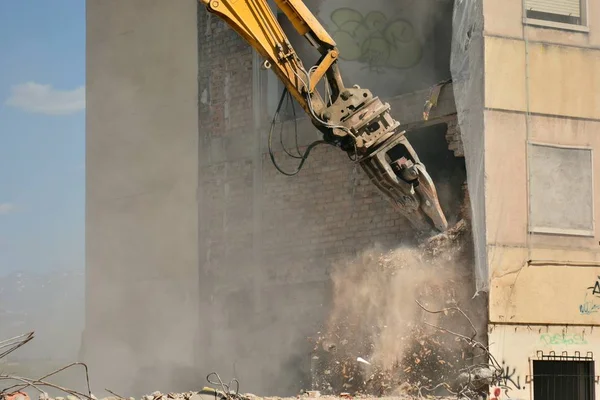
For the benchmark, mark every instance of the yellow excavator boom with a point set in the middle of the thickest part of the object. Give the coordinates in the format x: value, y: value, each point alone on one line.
x: 350, y: 118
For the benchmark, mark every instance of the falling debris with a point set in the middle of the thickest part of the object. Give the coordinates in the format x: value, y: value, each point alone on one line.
x: 396, y: 309
x: 479, y: 377
x: 401, y: 325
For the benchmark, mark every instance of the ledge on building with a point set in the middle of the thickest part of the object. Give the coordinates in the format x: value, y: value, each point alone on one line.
x: 555, y: 25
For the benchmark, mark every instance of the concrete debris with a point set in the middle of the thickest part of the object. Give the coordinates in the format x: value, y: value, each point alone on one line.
x: 480, y: 378
x: 206, y: 396
x: 412, y: 350
x: 213, y: 395
x: 397, y: 309
x: 17, y: 392
x: 307, y: 395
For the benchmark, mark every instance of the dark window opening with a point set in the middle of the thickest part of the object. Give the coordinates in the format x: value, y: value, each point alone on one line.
x: 565, y: 19
x: 562, y: 380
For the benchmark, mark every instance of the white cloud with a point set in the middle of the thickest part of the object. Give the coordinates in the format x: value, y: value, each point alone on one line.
x: 6, y: 208
x: 44, y: 99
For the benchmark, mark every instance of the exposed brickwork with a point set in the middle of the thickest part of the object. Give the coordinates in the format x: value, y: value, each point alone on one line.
x: 226, y: 225
x: 328, y: 210
x: 304, y: 223
x: 454, y: 138
x: 225, y: 63
x: 323, y: 207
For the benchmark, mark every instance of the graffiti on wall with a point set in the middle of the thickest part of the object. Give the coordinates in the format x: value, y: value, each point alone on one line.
x: 375, y: 40
x: 589, y: 305
x: 497, y: 394
x: 504, y: 380
x: 562, y: 339
x: 509, y: 378
x: 596, y: 288
x: 591, y: 301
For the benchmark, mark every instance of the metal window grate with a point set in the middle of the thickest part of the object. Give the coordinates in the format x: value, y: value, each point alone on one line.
x: 564, y: 356
x: 558, y: 377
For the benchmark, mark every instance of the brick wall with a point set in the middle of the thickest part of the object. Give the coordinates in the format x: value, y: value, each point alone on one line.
x: 225, y: 63
x: 267, y: 241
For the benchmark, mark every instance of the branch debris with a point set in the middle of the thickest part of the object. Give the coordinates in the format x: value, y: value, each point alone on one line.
x: 472, y: 380
x: 385, y: 306
x: 435, y: 351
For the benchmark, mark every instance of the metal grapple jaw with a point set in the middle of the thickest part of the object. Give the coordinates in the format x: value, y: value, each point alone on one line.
x: 386, y: 156
x: 394, y: 168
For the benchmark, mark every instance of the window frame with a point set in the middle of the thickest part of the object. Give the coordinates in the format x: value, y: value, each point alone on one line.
x: 532, y: 229
x: 582, y: 27
x: 552, y: 357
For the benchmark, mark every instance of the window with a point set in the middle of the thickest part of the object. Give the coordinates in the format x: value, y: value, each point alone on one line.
x: 557, y: 378
x: 571, y: 12
x: 561, y: 190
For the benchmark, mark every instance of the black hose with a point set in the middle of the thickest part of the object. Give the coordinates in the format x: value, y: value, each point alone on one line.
x: 306, y: 153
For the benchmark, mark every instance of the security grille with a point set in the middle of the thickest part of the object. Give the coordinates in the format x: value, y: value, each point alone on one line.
x: 563, y: 377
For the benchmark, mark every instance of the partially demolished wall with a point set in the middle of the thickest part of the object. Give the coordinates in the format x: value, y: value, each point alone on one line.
x: 192, y: 232
x: 268, y: 242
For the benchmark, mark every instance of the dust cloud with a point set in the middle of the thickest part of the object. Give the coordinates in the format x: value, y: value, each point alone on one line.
x: 375, y: 298
x: 375, y: 316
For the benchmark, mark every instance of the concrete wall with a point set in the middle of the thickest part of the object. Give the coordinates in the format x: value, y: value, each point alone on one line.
x: 542, y: 90
x: 390, y: 46
x: 565, y: 113
x: 552, y: 291
x: 142, y: 178
x: 553, y: 86
x: 504, y: 19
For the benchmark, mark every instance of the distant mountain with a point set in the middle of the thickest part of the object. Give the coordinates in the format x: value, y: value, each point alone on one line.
x: 49, y: 303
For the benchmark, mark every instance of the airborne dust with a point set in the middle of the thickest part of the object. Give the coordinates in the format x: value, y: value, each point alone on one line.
x: 394, y: 316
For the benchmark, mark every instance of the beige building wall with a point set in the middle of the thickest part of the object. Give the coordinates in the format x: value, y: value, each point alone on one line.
x: 517, y: 348
x: 542, y: 87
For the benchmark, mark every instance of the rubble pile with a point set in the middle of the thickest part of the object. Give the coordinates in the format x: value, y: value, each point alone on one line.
x: 401, y: 328
x: 210, y: 394
x: 394, y: 312
x: 203, y: 395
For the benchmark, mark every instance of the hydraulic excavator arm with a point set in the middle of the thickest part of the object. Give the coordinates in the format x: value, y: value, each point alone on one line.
x: 351, y: 117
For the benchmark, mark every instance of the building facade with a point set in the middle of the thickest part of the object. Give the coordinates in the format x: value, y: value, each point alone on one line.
x: 202, y: 257
x: 541, y: 118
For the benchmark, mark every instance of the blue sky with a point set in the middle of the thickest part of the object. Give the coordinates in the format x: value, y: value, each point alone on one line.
x: 42, y: 134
